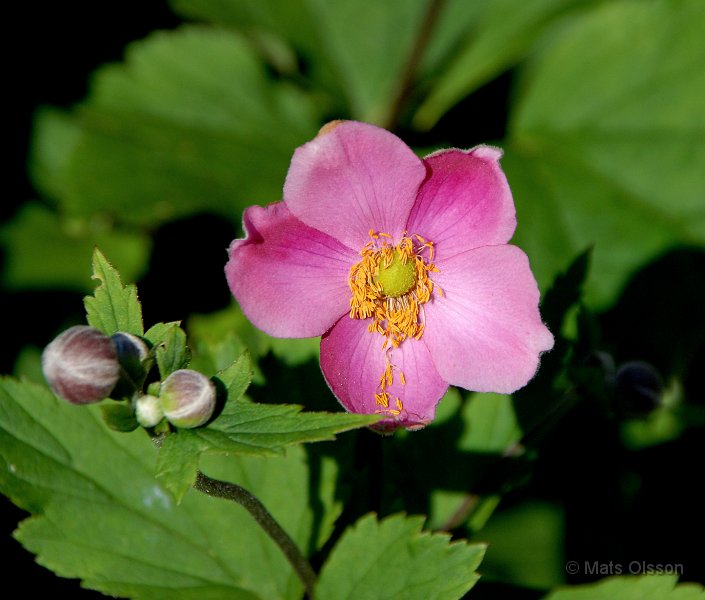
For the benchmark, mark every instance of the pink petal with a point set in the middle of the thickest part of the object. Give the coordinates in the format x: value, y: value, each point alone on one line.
x: 466, y: 202
x: 290, y: 280
x: 351, y: 178
x: 485, y: 332
x: 353, y: 361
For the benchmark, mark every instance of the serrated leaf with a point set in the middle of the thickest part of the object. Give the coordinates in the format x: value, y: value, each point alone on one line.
x: 158, y: 332
x: 61, y: 260
x: 169, y: 342
x: 603, y: 148
x: 250, y: 429
x: 190, y: 122
x: 113, y: 307
x: 269, y: 428
x: 423, y: 566
x: 101, y: 516
x: 237, y: 377
x: 644, y: 587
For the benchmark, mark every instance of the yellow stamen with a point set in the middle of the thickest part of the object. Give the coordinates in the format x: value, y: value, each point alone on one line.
x: 382, y: 399
x: 394, y: 301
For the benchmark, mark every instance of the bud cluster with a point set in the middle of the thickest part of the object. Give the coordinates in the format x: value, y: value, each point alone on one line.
x: 83, y: 365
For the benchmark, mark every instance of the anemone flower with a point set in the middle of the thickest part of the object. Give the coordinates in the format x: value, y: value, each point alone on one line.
x: 401, y: 264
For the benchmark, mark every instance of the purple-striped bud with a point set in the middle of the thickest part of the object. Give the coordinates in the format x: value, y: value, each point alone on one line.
x: 187, y: 398
x: 81, y: 365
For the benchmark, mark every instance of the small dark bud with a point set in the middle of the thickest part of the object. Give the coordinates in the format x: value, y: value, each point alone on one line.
x: 638, y: 387
x: 81, y: 365
x: 187, y: 398
x: 132, y: 353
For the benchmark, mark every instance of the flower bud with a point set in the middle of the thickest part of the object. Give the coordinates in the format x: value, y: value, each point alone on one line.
x: 639, y: 388
x: 81, y: 365
x: 148, y: 411
x: 187, y: 398
x: 132, y: 352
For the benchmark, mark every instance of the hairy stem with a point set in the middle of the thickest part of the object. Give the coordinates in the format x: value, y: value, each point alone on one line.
x: 231, y: 491
x: 407, y: 77
x: 236, y: 493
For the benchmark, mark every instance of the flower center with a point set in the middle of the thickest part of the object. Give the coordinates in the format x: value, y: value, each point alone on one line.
x: 389, y: 286
x: 397, y: 278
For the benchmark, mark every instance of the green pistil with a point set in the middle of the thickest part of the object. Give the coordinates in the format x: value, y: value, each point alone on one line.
x: 398, y: 278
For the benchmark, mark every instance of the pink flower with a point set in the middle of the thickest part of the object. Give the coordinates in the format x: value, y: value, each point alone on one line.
x: 401, y: 264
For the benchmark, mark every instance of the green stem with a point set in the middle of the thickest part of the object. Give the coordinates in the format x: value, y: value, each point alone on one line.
x: 406, y: 80
x: 236, y: 493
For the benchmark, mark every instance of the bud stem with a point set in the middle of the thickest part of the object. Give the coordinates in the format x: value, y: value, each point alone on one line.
x: 236, y: 493
x: 231, y: 491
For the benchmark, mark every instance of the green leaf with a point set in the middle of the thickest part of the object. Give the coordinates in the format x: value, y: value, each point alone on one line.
x: 490, y: 427
x: 645, y: 587
x: 493, y: 38
x: 469, y: 43
x: 363, y: 64
x: 423, y: 566
x: 190, y: 122
x: 490, y: 424
x: 362, y: 67
x: 368, y: 59
x: 604, y: 147
x: 237, y: 377
x: 119, y: 416
x: 61, y: 260
x: 267, y: 429
x: 169, y: 341
x: 525, y: 545
x: 113, y: 307
x: 99, y: 514
x: 250, y: 429
x: 54, y: 137
x: 177, y: 462
x: 158, y: 332
x: 216, y: 330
